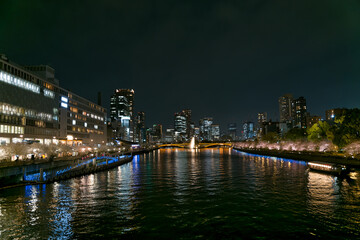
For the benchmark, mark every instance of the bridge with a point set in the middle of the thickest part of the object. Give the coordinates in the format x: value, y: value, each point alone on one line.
x: 199, y: 145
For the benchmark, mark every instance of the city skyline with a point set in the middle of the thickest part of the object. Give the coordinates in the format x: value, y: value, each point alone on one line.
x: 190, y: 54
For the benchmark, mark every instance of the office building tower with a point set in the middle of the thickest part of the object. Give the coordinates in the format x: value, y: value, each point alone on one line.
x: 156, y: 133
x: 180, y: 124
x: 205, y: 128
x: 285, y: 108
x: 262, y: 117
x: 121, y: 113
x: 215, y: 132
x: 232, y: 131
x: 248, y: 130
x: 299, y: 112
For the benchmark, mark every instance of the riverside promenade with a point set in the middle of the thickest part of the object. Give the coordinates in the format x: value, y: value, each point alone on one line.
x: 306, y: 156
x: 45, y: 171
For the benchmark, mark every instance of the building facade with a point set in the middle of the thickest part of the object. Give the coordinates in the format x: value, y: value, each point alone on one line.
x: 45, y: 112
x: 331, y: 114
x: 285, y: 108
x: 215, y: 132
x: 311, y: 120
x: 299, y: 112
x: 205, y: 128
x: 81, y: 121
x: 28, y: 105
x: 122, y: 112
x: 232, y: 131
x: 248, y: 130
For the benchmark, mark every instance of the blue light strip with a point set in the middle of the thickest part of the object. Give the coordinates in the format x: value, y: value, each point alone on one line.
x: 272, y: 157
x: 47, y: 175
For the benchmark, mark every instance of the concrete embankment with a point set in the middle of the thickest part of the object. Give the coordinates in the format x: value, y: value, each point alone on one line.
x: 306, y: 156
x: 46, y: 172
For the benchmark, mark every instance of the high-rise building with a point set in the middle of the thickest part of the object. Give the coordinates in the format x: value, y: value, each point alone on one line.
x: 262, y: 117
x: 156, y: 132
x: 140, y: 128
x: 215, y: 132
x: 248, y: 130
x: 122, y: 112
x: 205, y: 128
x: 299, y: 112
x: 232, y: 131
x: 331, y: 114
x: 285, y: 108
x: 180, y: 123
x: 187, y: 114
x: 170, y: 135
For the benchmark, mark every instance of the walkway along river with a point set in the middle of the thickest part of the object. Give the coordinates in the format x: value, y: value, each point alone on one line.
x: 187, y: 194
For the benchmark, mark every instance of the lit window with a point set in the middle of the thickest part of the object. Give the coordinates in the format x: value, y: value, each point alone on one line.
x: 64, y: 105
x: 73, y: 122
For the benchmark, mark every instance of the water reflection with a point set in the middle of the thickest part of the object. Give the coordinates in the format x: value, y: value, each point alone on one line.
x: 185, y: 194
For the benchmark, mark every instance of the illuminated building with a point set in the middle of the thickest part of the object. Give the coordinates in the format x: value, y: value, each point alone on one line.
x: 215, y: 132
x: 232, y: 131
x: 248, y: 130
x: 299, y: 112
x: 311, y: 120
x: 262, y: 118
x: 81, y: 119
x: 121, y: 113
x: 187, y: 114
x: 180, y: 123
x: 140, y: 128
x: 156, y: 133
x: 285, y: 108
x: 331, y: 114
x: 169, y: 135
x: 33, y: 107
x: 205, y: 128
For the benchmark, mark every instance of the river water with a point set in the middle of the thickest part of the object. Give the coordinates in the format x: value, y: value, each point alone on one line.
x: 188, y: 194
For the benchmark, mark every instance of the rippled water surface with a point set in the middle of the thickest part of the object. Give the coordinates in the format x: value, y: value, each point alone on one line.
x: 184, y: 194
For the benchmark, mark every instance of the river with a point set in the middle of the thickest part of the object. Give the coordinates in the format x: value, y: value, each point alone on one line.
x: 186, y: 194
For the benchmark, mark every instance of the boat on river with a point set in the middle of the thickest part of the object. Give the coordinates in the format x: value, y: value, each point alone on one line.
x: 332, y: 168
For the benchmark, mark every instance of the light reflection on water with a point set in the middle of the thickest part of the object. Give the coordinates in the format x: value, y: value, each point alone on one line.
x: 212, y: 193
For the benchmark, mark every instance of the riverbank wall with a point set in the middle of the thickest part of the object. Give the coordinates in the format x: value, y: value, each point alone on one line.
x: 50, y: 171
x: 306, y: 156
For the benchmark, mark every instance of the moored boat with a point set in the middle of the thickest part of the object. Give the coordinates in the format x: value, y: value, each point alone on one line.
x: 328, y: 167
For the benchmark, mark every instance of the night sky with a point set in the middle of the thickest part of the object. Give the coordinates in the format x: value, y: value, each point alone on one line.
x: 225, y: 59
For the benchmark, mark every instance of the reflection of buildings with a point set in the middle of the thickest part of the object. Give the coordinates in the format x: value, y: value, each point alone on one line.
x: 324, y: 191
x: 121, y: 113
x: 33, y: 107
